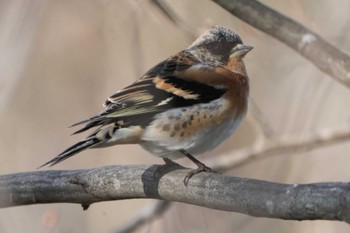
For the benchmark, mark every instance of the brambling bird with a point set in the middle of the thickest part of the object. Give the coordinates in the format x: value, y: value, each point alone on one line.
x: 184, y: 106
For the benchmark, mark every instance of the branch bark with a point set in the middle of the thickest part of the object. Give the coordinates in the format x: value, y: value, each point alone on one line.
x: 322, y: 54
x: 329, y: 201
x: 262, y: 149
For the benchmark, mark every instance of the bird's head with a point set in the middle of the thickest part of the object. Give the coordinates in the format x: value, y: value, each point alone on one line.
x: 218, y: 45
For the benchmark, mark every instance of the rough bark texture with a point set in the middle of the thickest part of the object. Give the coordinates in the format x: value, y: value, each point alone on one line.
x: 329, y: 201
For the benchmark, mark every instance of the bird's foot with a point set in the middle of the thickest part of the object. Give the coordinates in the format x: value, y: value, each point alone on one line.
x: 201, y: 168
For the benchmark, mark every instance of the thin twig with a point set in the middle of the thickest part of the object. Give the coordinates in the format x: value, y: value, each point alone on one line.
x: 168, y: 11
x: 281, y: 146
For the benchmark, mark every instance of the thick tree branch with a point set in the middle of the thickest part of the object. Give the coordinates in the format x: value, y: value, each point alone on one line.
x: 322, y: 54
x: 262, y: 149
x: 329, y: 201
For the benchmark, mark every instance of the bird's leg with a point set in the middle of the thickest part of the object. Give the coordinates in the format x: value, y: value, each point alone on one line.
x: 201, y: 167
x: 169, y: 162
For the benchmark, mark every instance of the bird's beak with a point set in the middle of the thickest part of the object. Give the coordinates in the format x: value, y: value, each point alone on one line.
x: 240, y: 50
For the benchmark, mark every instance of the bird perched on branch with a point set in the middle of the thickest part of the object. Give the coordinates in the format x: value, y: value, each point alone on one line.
x: 183, y: 106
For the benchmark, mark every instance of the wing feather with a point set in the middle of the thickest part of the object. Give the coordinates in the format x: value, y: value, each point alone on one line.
x: 165, y: 86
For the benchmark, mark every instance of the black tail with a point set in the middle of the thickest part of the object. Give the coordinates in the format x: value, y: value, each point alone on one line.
x: 76, y: 148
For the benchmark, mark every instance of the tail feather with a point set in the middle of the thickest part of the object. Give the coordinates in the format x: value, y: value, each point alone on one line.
x: 91, y: 119
x: 88, y: 126
x: 93, y: 122
x: 76, y: 148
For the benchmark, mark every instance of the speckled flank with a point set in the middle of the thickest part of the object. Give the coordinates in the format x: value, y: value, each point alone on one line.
x: 188, y: 127
x: 165, y: 127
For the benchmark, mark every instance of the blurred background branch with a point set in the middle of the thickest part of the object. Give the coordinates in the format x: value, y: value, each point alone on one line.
x: 322, y: 54
x: 282, y: 145
x: 145, y: 215
x: 173, y: 17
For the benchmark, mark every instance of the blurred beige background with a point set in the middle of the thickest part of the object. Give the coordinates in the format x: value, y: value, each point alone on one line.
x: 59, y: 60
